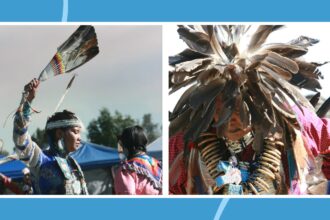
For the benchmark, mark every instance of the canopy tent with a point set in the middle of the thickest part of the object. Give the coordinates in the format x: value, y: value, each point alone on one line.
x: 96, y: 162
x: 89, y: 156
x: 12, y: 169
x: 155, y: 148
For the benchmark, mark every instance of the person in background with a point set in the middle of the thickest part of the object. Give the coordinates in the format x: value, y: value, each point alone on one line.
x: 8, y: 183
x: 139, y: 173
x: 27, y: 187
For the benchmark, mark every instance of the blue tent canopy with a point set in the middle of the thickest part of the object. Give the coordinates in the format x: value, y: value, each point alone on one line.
x: 89, y: 156
x: 155, y: 148
x: 12, y: 169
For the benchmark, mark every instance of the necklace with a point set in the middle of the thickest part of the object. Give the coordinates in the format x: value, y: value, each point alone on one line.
x: 220, y: 155
x: 238, y: 146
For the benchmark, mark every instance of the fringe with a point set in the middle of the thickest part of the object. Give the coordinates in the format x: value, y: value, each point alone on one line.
x: 157, y: 184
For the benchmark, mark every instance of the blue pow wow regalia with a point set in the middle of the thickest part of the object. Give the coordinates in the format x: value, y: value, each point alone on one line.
x: 53, y: 172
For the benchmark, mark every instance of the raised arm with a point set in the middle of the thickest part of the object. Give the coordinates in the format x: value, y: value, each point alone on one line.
x: 26, y: 149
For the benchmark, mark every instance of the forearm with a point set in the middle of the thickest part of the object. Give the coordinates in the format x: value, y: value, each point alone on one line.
x: 27, y: 150
x: 21, y: 123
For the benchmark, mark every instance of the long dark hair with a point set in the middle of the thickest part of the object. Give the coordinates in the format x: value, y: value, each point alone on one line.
x: 134, y: 140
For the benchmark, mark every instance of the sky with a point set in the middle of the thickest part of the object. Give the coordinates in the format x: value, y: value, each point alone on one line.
x: 317, y: 53
x: 125, y: 75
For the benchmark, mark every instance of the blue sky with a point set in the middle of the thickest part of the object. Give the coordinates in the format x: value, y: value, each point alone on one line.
x: 125, y: 75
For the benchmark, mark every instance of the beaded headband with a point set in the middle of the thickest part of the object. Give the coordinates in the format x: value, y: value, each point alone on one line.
x: 64, y: 123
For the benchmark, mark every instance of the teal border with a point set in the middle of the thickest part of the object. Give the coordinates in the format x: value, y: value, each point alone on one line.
x: 164, y: 208
x: 163, y: 11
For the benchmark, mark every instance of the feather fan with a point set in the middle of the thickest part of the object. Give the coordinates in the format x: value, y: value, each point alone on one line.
x: 78, y: 49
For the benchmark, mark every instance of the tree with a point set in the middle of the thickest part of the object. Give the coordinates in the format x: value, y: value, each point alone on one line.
x: 150, y: 128
x: 2, y: 150
x: 40, y: 138
x: 106, y: 127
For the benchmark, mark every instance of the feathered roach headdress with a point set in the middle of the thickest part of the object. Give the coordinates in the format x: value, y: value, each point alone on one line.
x: 261, y: 79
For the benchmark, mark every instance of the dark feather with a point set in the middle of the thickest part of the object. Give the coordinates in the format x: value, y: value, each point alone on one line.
x: 228, y: 99
x: 179, y: 123
x: 308, y: 69
x: 192, y: 65
x: 223, y: 34
x: 195, y: 184
x: 82, y: 34
x: 266, y: 97
x: 259, y: 94
x: 277, y: 70
x: 315, y: 99
x: 279, y: 101
x: 304, y: 41
x: 199, y: 123
x: 183, y: 101
x: 176, y: 87
x: 260, y: 126
x: 310, y: 84
x: 207, y: 180
x: 196, y: 40
x: 323, y: 110
x: 175, y: 169
x: 199, y: 181
x: 244, y: 114
x: 226, y: 112
x: 206, y: 93
x: 210, y: 74
x: 282, y: 62
x: 287, y: 50
x: 186, y: 55
x: 186, y: 70
x: 79, y: 48
x: 308, y: 76
x: 287, y: 88
x: 261, y: 35
x: 216, y: 45
x: 231, y: 51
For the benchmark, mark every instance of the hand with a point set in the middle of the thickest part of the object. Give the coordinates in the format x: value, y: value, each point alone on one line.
x: 31, y: 89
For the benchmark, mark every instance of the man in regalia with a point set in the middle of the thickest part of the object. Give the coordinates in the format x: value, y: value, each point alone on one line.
x: 242, y: 125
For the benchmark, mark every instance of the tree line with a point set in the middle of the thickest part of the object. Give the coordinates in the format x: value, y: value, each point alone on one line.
x: 107, y: 126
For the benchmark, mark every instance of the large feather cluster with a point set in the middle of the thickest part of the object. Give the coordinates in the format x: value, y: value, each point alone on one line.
x: 78, y: 49
x: 261, y: 79
x: 81, y: 47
